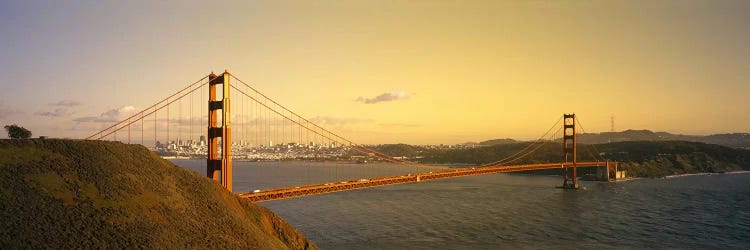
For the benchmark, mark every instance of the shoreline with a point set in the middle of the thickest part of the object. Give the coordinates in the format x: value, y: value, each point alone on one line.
x: 705, y: 174
x: 627, y: 179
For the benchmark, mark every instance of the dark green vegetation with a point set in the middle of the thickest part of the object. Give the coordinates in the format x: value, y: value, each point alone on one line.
x: 550, y: 152
x: 497, y: 142
x: 17, y: 132
x: 94, y: 194
x: 400, y: 150
x: 661, y: 158
x: 639, y: 158
x: 735, y: 140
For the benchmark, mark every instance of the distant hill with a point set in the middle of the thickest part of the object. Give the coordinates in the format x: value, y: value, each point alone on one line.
x: 639, y: 158
x: 497, y: 142
x: 735, y: 140
x: 64, y: 194
x: 399, y: 150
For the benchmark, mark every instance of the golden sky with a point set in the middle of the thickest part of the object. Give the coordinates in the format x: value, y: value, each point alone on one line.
x: 462, y: 70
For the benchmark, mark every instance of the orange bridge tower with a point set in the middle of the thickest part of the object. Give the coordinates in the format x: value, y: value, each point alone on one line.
x: 219, y: 167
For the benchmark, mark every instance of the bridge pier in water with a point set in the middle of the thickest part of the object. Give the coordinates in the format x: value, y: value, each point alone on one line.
x: 219, y: 168
x: 610, y: 172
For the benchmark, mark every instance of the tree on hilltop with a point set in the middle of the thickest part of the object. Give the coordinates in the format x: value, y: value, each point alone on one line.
x: 17, y: 132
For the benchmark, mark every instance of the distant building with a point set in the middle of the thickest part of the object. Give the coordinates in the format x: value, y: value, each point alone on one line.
x: 620, y: 175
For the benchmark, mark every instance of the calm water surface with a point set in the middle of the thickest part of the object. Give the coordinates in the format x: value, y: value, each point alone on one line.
x: 506, y: 211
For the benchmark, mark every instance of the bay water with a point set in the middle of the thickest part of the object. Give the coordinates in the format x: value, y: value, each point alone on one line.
x: 501, y: 211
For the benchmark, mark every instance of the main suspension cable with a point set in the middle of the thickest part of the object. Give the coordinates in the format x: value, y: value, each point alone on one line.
x: 323, y: 135
x: 156, y: 104
x: 541, y: 138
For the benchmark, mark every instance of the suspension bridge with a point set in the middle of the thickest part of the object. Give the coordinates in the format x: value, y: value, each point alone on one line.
x: 221, y: 118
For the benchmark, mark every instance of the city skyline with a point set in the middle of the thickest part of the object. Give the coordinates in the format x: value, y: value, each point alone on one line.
x: 395, y: 72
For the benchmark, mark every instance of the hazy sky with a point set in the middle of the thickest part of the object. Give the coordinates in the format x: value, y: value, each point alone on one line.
x: 390, y: 71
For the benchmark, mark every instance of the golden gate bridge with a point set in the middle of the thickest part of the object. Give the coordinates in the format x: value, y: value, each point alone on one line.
x: 219, y: 109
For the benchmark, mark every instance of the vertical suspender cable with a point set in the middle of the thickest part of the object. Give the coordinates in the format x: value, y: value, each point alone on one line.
x: 200, y: 119
x: 142, y: 129
x: 307, y: 152
x: 180, y: 139
x: 244, y: 117
x: 258, y: 120
x: 167, y: 126
x: 155, y: 139
x: 190, y: 122
x: 302, y: 152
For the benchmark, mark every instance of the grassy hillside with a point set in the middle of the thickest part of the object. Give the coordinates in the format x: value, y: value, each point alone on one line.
x: 639, y: 158
x: 94, y: 194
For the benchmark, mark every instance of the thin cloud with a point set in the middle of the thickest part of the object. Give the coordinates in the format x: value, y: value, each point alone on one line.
x: 59, y: 112
x: 328, y: 120
x: 112, y: 115
x: 385, y: 97
x: 399, y: 125
x: 63, y: 109
x: 65, y: 103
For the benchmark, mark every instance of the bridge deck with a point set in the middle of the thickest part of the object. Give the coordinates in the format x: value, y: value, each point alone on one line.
x: 285, y: 193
